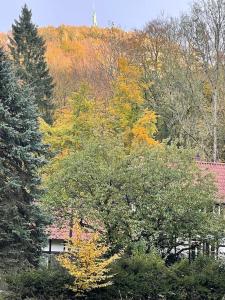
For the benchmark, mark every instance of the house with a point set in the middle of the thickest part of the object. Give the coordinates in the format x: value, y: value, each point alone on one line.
x: 56, y: 243
x: 56, y: 239
x: 58, y: 235
x: 217, y: 170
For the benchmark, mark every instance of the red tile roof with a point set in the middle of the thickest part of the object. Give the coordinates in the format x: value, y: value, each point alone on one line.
x: 218, y: 170
x: 58, y: 233
x: 62, y: 233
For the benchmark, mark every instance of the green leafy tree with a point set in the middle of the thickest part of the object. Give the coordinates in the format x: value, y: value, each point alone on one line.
x: 175, y: 87
x: 21, y: 155
x: 149, y: 198
x: 28, y: 53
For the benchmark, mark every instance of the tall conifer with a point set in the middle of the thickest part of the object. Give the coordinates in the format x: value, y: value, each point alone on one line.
x: 28, y: 52
x: 21, y: 155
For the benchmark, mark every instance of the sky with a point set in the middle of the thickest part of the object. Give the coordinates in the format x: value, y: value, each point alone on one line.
x: 127, y: 14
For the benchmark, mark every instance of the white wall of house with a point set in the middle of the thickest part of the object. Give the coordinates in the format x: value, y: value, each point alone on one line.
x: 58, y: 246
x: 54, y: 246
x: 221, y: 252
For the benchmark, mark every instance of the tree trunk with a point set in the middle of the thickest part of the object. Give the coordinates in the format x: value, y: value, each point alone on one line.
x: 215, y: 125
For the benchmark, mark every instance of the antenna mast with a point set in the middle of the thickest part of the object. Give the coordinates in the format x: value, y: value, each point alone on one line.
x: 94, y: 16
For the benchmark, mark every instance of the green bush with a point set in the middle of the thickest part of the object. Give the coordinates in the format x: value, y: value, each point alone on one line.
x: 146, y: 276
x: 138, y: 277
x: 41, y: 284
x: 204, y: 278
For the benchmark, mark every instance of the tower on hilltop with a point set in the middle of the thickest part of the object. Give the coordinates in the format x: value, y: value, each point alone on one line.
x: 94, y: 17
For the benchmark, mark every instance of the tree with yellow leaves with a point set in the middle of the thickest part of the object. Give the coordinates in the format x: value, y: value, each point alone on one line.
x: 127, y: 107
x: 84, y: 117
x: 145, y: 128
x: 85, y: 260
x: 72, y: 123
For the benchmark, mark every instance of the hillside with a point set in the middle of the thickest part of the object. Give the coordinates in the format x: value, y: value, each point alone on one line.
x: 82, y: 54
x: 78, y: 55
x: 173, y: 82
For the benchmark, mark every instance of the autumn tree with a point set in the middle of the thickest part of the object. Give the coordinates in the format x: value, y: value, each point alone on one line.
x: 129, y: 116
x: 27, y: 49
x: 73, y: 123
x: 22, y: 153
x: 85, y: 260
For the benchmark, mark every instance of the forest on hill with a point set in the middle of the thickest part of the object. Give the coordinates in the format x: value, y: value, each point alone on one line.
x: 174, y: 79
x: 100, y: 131
x: 77, y: 55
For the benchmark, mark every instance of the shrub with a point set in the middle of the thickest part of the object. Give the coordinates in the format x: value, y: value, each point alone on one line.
x: 146, y: 276
x: 139, y: 277
x: 204, y: 278
x: 41, y: 284
x: 142, y: 276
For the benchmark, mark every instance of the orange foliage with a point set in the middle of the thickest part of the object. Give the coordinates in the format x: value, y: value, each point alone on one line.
x: 129, y: 116
x: 82, y: 54
x: 145, y: 128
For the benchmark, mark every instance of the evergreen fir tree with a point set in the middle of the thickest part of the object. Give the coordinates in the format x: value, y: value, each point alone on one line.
x: 21, y: 155
x: 28, y: 52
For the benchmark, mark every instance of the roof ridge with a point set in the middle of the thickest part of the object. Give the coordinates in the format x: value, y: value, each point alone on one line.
x: 210, y: 163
